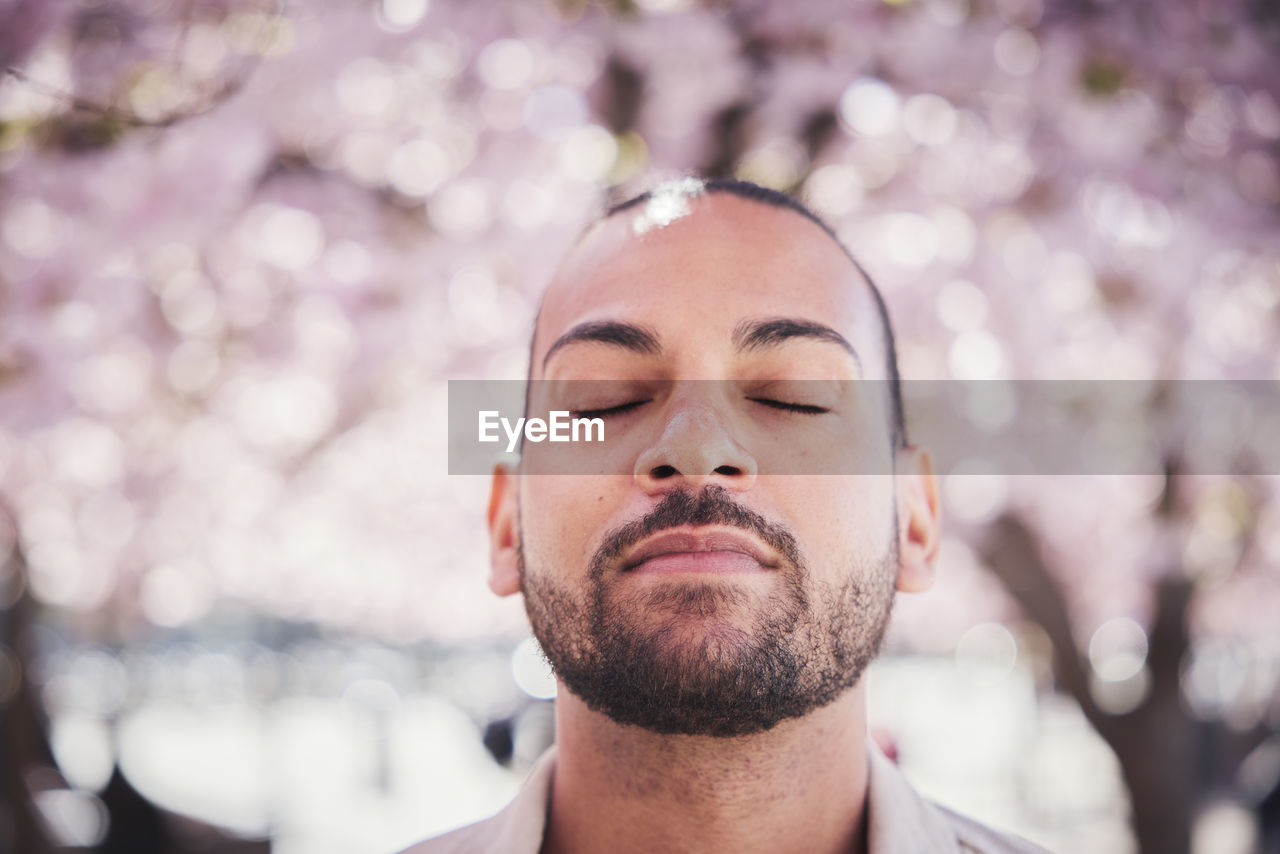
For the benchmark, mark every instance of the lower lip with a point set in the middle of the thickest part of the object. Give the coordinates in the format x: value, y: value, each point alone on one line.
x: 712, y: 562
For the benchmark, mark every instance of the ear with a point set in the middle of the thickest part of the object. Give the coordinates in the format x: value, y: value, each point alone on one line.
x: 919, y: 520
x: 504, y: 533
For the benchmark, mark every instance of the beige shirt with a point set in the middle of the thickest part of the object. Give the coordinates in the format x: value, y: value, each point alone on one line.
x: 900, y: 820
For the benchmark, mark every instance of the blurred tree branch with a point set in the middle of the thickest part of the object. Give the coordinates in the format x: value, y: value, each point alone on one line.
x: 1165, y: 754
x: 86, y: 123
x: 23, y: 746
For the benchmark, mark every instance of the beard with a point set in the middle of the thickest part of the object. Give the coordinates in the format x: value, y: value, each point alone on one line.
x: 704, y: 658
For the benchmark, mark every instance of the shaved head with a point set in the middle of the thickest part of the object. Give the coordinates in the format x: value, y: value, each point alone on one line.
x: 669, y: 202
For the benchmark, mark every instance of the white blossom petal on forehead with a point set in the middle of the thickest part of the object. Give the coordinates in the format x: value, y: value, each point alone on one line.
x: 667, y: 204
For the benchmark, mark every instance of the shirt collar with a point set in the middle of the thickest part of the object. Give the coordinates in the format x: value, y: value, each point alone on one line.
x: 519, y: 828
x: 898, y: 817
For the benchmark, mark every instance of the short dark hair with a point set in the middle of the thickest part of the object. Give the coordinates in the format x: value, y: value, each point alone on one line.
x: 777, y: 199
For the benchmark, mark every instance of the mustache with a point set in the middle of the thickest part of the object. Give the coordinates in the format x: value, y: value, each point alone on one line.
x: 710, y: 506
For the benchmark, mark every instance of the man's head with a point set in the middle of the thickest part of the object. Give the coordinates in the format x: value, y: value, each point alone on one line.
x: 709, y: 589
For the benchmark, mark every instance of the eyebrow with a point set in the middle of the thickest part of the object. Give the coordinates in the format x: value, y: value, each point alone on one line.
x: 628, y: 336
x: 748, y: 335
x: 770, y: 332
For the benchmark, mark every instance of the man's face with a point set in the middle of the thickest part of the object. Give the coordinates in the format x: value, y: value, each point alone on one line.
x: 700, y: 585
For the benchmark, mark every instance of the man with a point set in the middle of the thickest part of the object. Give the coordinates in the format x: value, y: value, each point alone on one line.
x: 707, y: 603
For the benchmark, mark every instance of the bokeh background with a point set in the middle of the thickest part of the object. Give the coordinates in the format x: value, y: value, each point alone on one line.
x: 244, y: 245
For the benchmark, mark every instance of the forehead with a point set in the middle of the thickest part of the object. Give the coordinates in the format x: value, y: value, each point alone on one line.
x: 695, y: 278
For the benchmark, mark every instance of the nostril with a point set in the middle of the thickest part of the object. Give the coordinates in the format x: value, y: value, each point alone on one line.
x: 730, y: 470
x: 663, y: 471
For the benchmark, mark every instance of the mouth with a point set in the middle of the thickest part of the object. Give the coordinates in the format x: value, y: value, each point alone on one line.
x: 701, y: 550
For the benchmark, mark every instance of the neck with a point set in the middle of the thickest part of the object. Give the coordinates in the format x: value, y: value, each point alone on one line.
x: 801, y: 786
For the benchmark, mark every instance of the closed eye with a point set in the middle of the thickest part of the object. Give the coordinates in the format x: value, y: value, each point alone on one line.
x: 609, y: 411
x: 802, y: 408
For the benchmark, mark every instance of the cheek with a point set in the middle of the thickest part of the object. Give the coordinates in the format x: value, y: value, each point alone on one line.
x: 561, y: 516
x: 840, y: 519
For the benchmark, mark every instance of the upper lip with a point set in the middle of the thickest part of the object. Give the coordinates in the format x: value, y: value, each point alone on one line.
x: 706, y: 540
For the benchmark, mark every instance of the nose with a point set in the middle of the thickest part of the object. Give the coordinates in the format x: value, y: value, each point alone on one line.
x: 695, y: 448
